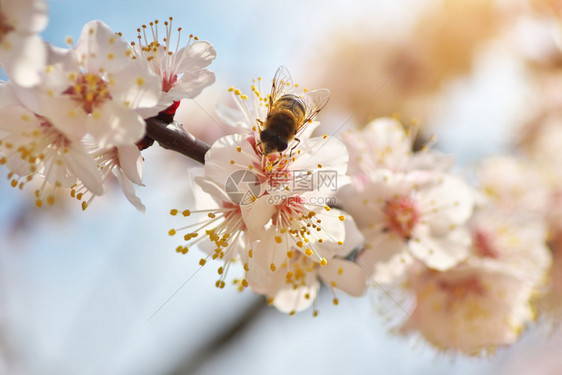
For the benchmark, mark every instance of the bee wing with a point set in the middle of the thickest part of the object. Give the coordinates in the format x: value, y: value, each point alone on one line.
x: 314, y: 101
x: 282, y: 84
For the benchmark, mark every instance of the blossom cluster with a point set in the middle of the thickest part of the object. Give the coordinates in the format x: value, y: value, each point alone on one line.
x: 297, y: 211
x: 72, y: 117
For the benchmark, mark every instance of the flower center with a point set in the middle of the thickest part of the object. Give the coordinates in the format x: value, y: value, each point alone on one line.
x: 90, y: 90
x: 401, y: 216
x: 483, y: 244
x: 459, y: 291
x: 5, y: 26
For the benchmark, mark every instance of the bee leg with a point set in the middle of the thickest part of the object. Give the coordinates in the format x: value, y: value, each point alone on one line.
x: 295, y: 146
x: 259, y: 149
x: 260, y: 123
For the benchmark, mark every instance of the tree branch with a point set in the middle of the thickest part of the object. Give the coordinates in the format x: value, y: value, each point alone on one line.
x: 175, y: 138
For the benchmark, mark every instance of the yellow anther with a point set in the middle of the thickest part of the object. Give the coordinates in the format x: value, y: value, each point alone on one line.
x: 173, y: 212
x: 272, y: 266
x: 278, y: 239
x: 202, y: 262
x: 323, y: 262
x: 172, y: 232
x: 290, y: 254
x: 186, y: 213
x: 308, y: 252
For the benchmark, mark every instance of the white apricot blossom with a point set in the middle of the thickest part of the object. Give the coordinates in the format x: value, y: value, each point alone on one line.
x: 402, y: 216
x: 181, y: 69
x: 125, y: 164
x: 472, y: 308
x: 513, y: 184
x: 95, y: 89
x: 386, y: 143
x: 294, y: 286
x: 515, y: 240
x: 22, y: 52
x: 31, y: 145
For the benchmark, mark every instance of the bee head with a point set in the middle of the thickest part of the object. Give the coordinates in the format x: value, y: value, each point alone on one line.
x: 272, y: 142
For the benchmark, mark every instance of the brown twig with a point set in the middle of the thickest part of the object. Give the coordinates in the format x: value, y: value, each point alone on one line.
x: 177, y: 139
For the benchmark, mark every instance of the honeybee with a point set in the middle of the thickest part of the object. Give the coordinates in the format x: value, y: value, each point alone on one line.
x: 288, y: 113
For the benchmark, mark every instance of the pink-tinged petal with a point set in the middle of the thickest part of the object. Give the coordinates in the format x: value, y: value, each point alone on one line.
x: 385, y: 257
x: 344, y: 275
x: 134, y: 86
x: 191, y: 84
x: 440, y: 252
x: 129, y: 190
x: 23, y: 58
x: 83, y: 166
x: 101, y: 49
x: 197, y: 56
x: 130, y: 160
x: 115, y: 125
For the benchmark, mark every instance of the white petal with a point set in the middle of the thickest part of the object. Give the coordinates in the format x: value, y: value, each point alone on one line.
x: 440, y: 252
x: 209, y: 187
x: 191, y: 84
x: 257, y: 214
x: 199, y: 55
x: 135, y: 86
x: 289, y: 300
x: 23, y: 57
x: 385, y: 257
x: 129, y: 190
x: 344, y: 275
x: 83, y: 166
x: 101, y: 49
x: 116, y: 125
x: 449, y: 202
x: 130, y: 160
